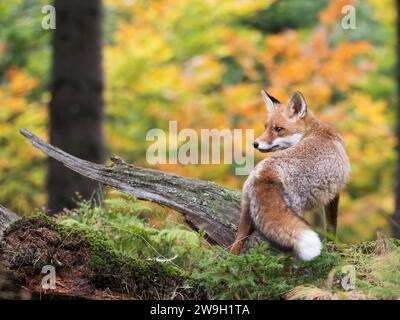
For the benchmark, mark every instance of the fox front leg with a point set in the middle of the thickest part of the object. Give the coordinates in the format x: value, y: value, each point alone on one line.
x: 331, y: 213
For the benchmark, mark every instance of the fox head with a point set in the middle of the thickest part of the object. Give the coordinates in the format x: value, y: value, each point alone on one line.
x: 285, y: 125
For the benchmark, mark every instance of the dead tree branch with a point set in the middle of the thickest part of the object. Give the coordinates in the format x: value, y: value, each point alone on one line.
x: 205, y: 205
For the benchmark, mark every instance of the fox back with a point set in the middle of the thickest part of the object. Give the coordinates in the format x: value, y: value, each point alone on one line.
x: 310, y: 159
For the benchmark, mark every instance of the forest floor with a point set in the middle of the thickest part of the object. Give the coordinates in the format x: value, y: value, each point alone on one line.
x: 125, y: 250
x: 39, y: 244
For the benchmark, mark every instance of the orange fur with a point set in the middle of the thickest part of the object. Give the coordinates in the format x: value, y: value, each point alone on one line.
x: 308, y: 169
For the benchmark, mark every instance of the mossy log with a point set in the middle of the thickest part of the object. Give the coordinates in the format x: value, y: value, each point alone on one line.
x: 204, y: 204
x: 86, y: 266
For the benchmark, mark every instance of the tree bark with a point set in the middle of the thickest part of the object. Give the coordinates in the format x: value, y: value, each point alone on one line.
x: 205, y: 205
x: 76, y: 107
x: 395, y: 222
x: 6, y: 218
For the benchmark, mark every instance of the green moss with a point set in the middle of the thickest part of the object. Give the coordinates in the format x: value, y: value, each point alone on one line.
x: 124, y: 254
x: 232, y: 195
x: 261, y: 273
x: 109, y: 268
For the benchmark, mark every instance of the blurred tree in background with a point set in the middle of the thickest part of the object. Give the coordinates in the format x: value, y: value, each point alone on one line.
x: 203, y: 63
x: 76, y: 106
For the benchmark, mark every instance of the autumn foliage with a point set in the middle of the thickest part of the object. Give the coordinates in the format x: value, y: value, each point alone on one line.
x: 199, y: 63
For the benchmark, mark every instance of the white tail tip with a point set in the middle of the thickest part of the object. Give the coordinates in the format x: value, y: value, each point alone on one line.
x: 309, y: 245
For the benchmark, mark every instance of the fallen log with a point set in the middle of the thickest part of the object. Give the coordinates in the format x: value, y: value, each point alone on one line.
x: 7, y: 217
x: 205, y: 205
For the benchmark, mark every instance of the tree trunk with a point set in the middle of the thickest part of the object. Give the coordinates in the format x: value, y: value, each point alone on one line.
x: 76, y: 107
x: 205, y: 205
x: 396, y: 216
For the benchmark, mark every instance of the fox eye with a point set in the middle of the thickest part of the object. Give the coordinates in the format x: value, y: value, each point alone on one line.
x: 278, y: 129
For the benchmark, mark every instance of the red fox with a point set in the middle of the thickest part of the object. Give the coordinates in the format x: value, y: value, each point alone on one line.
x: 309, y: 169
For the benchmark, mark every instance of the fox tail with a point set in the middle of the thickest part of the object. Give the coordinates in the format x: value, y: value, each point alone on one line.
x: 281, y: 226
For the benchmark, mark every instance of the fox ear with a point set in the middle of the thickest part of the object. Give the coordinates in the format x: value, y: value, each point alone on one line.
x: 297, y: 105
x: 269, y: 101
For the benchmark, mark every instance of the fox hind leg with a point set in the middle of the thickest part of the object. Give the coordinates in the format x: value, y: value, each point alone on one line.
x: 331, y: 213
x: 245, y: 226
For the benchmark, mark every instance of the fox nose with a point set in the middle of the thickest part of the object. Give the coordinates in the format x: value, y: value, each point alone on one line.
x: 255, y: 144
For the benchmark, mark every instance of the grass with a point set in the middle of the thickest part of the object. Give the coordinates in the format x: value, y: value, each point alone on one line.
x: 144, y: 232
x: 132, y: 231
